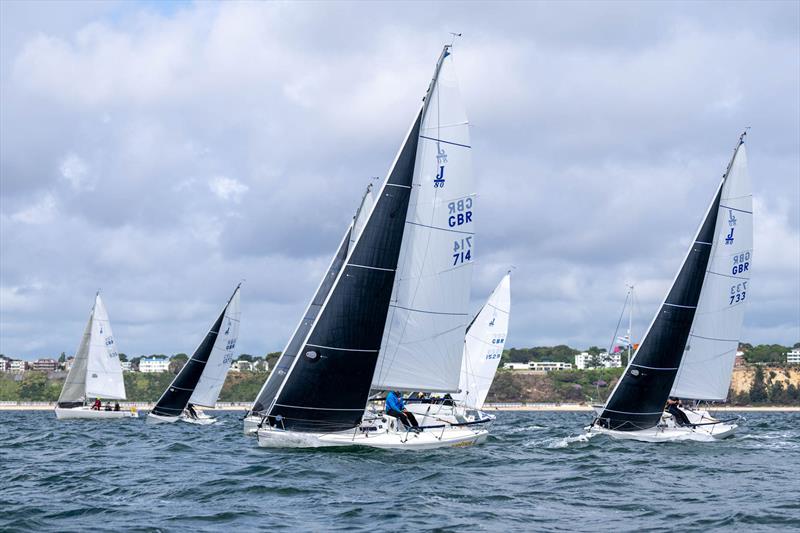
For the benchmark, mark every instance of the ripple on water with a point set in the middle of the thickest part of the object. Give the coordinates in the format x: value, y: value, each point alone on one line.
x: 537, y: 471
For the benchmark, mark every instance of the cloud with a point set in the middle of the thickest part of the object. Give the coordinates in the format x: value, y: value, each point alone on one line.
x: 164, y: 155
x: 227, y: 189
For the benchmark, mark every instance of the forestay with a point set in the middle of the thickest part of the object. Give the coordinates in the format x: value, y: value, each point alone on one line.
x: 705, y: 371
x: 423, y: 340
x: 483, y: 346
x: 103, y: 370
x: 208, y: 388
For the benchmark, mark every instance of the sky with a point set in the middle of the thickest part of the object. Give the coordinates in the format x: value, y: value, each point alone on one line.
x: 164, y: 151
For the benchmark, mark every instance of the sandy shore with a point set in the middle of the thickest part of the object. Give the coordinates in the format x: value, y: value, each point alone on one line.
x: 488, y: 407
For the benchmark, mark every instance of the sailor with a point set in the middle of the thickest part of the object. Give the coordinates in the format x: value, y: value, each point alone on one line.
x: 97, y: 404
x: 116, y: 406
x: 396, y: 407
x: 191, y: 410
x: 673, y: 408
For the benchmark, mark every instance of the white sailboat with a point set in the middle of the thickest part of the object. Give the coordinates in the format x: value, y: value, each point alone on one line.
x: 483, y: 349
x: 394, y: 298
x: 96, y: 372
x: 200, y: 381
x: 689, y: 349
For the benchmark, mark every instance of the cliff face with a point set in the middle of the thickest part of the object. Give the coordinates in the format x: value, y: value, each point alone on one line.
x: 743, y: 377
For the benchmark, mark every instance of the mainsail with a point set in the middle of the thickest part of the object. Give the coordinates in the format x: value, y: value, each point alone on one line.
x: 638, y: 400
x: 707, y: 364
x: 218, y: 342
x: 483, y: 346
x: 96, y: 371
x: 423, y: 341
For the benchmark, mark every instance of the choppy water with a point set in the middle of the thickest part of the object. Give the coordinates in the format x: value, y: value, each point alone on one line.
x: 535, y: 473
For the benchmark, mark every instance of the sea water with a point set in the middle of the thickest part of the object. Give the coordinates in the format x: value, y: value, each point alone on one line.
x: 537, y: 472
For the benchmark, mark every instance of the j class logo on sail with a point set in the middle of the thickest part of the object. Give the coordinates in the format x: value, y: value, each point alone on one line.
x: 459, y: 212
x: 738, y: 293
x: 441, y: 161
x: 462, y: 250
x: 731, y: 223
x: 741, y: 263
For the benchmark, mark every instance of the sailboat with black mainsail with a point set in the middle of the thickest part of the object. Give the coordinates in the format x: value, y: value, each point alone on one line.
x: 200, y: 380
x: 689, y: 349
x: 483, y: 349
x: 95, y: 373
x: 397, y: 288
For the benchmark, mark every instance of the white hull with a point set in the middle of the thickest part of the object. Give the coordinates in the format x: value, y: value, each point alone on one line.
x: 201, y: 420
x: 381, y: 433
x: 87, y: 413
x: 708, y: 429
x: 250, y: 425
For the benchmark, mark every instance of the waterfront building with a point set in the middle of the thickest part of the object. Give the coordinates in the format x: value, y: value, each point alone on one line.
x: 154, y: 364
x: 517, y: 366
x: 45, y: 365
x: 126, y: 366
x: 548, y: 366
x: 18, y: 366
x: 586, y: 360
x: 241, y: 366
x: 793, y: 357
x: 5, y: 364
x: 739, y: 359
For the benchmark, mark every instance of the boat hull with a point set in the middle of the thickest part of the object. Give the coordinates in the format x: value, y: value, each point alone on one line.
x: 707, y: 429
x: 201, y: 420
x: 393, y: 440
x: 87, y: 413
x: 250, y: 425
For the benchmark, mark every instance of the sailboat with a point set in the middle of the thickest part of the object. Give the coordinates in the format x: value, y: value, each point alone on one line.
x: 200, y: 380
x: 396, y: 293
x: 96, y: 372
x: 483, y: 349
x: 689, y: 349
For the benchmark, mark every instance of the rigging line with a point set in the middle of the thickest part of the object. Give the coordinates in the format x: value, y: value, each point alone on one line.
x: 619, y: 321
x: 443, y: 141
x: 735, y: 209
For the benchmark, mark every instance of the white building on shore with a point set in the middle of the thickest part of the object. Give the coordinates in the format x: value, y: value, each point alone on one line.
x: 153, y: 365
x: 586, y: 360
x: 793, y: 357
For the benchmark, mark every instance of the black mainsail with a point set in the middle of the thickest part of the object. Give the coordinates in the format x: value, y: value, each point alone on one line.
x: 638, y: 400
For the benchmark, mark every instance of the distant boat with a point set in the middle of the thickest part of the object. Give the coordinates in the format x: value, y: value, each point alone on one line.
x: 689, y: 349
x: 483, y: 349
x: 95, y: 373
x: 391, y: 311
x: 200, y: 381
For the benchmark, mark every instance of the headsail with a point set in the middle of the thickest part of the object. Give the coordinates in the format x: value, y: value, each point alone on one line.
x: 270, y: 388
x: 637, y: 401
x: 174, y: 400
x: 208, y: 388
x: 103, y: 370
x: 326, y: 388
x: 707, y: 364
x: 423, y: 341
x: 74, y: 391
x: 483, y: 346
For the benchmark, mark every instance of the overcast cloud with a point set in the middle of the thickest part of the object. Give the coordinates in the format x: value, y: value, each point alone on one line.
x: 165, y: 151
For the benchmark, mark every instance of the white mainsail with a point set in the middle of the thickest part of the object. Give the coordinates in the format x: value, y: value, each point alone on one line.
x: 707, y: 364
x: 483, y: 346
x: 211, y: 380
x: 424, y: 335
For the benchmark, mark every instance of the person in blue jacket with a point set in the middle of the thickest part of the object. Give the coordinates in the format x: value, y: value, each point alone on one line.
x: 396, y: 407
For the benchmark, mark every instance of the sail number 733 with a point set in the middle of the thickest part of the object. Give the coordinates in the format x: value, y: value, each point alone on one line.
x: 462, y: 250
x: 738, y: 293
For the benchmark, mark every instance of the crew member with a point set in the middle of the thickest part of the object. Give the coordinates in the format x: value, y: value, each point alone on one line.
x: 673, y: 408
x: 396, y: 407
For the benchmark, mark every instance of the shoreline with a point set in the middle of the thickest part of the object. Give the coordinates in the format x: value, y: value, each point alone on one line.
x: 146, y: 406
